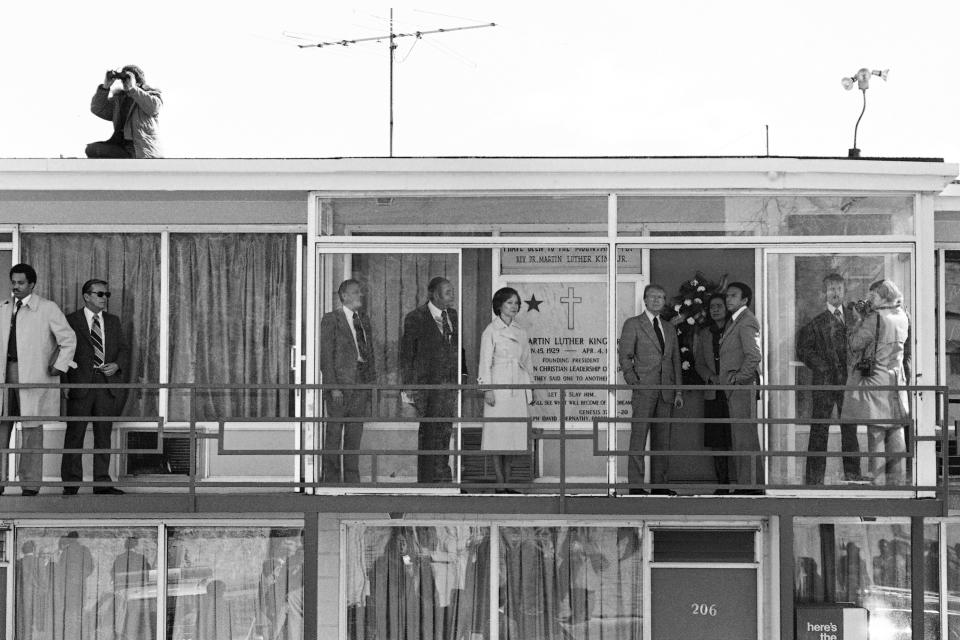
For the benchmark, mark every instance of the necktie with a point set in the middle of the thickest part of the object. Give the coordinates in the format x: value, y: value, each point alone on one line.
x: 656, y: 329
x: 447, y: 329
x: 838, y: 314
x: 12, y: 343
x: 361, y: 337
x: 96, y: 337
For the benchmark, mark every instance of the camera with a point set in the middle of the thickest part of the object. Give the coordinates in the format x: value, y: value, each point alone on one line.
x: 863, y: 307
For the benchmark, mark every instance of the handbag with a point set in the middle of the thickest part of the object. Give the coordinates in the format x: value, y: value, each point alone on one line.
x: 866, y: 365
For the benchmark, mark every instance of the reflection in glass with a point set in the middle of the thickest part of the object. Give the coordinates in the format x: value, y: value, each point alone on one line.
x: 86, y: 583
x: 867, y: 564
x: 801, y: 288
x: 417, y: 583
x: 570, y: 582
x: 234, y: 583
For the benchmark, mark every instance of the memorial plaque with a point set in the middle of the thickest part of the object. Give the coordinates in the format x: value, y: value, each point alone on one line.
x: 566, y: 322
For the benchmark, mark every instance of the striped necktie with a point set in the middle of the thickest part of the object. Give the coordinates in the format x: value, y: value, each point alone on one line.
x: 96, y: 337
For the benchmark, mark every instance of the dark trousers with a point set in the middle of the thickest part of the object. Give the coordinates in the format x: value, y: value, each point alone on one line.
x: 719, y: 439
x: 823, y: 404
x: 356, y: 404
x: 110, y: 149
x: 97, y: 403
x: 30, y: 466
x: 435, y: 436
x: 649, y: 404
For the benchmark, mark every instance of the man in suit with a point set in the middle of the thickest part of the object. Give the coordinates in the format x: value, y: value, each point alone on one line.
x: 649, y: 354
x: 822, y: 346
x: 102, y: 356
x: 740, y: 358
x: 40, y: 346
x: 346, y: 357
x: 428, y: 355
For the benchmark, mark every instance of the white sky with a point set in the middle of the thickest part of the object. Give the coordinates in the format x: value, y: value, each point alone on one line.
x: 554, y: 78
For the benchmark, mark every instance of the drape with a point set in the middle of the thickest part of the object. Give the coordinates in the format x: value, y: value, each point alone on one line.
x: 232, y: 313
x: 417, y: 583
x: 577, y: 582
x: 85, y: 584
x: 130, y: 262
x: 235, y: 583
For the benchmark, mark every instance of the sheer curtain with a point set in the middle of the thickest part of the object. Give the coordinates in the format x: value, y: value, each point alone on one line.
x: 234, y: 583
x: 86, y: 584
x: 576, y: 582
x: 130, y: 262
x: 417, y: 583
x: 232, y: 304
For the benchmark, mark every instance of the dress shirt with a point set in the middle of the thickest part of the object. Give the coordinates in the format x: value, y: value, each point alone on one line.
x: 25, y: 301
x: 353, y: 330
x: 437, y: 314
x: 103, y: 330
x: 833, y: 311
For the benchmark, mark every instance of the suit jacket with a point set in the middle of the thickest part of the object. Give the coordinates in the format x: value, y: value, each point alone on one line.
x: 740, y: 353
x: 116, y: 350
x: 425, y: 357
x: 822, y: 346
x: 641, y: 359
x: 43, y: 338
x: 338, y: 350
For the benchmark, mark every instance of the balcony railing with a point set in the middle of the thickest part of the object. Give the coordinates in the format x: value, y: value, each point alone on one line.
x: 566, y: 454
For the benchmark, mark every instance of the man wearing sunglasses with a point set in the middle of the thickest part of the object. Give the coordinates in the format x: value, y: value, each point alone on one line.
x: 101, y: 357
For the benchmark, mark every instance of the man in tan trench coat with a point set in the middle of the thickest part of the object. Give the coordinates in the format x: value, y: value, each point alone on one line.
x: 39, y: 347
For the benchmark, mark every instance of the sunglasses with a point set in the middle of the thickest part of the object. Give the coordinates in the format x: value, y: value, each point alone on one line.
x: 102, y: 294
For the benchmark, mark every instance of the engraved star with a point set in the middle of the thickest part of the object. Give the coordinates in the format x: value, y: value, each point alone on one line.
x: 533, y: 304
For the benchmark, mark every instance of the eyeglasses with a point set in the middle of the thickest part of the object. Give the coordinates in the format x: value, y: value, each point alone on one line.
x: 102, y: 294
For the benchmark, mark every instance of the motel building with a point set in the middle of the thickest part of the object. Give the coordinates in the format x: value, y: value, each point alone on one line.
x: 221, y: 272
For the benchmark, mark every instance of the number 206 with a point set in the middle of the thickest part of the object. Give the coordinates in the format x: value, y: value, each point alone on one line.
x: 703, y: 609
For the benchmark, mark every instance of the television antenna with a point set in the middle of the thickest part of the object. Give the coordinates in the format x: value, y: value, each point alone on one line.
x: 392, y: 38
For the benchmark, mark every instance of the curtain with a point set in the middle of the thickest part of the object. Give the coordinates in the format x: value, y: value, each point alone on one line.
x: 85, y: 584
x: 417, y: 583
x: 232, y: 305
x: 131, y: 264
x: 234, y: 583
x: 576, y: 582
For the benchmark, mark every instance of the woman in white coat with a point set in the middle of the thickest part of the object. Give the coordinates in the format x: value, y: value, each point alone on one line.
x: 505, y: 359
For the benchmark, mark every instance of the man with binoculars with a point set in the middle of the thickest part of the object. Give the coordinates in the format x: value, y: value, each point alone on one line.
x: 134, y: 108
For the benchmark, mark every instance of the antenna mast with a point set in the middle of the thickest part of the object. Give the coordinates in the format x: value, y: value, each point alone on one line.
x: 392, y: 46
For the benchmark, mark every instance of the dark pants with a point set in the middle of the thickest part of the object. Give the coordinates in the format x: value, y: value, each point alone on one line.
x: 435, y: 436
x: 30, y: 466
x: 110, y: 149
x: 98, y: 403
x: 356, y: 404
x: 823, y: 404
x: 719, y: 435
x: 744, y: 469
x: 649, y: 404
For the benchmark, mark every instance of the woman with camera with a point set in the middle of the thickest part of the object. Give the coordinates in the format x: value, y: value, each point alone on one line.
x: 877, y: 342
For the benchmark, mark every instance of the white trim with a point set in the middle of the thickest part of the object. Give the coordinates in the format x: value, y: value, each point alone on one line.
x: 10, y: 563
x: 163, y: 399
x: 679, y: 240
x: 161, y: 579
x: 160, y: 228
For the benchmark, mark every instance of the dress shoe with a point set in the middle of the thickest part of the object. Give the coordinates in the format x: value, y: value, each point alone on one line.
x: 107, y: 491
x: 30, y: 492
x: 721, y: 492
x: 70, y: 491
x: 855, y: 478
x: 638, y: 492
x: 663, y: 492
x: 747, y: 492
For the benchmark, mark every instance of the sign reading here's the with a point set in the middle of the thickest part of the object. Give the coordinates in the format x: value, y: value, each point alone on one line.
x: 832, y: 622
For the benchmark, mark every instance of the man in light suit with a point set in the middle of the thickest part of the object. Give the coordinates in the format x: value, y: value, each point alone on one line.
x: 822, y: 346
x: 346, y: 357
x: 740, y: 358
x: 428, y: 355
x: 102, y: 356
x: 40, y: 346
x: 649, y: 354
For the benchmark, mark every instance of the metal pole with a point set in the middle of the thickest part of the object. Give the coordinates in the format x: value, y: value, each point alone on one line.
x: 392, y: 47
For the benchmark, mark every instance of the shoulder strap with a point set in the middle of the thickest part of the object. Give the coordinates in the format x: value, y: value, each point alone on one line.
x: 876, y: 337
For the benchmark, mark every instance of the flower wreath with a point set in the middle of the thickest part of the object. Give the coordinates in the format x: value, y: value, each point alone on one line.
x: 688, y: 314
